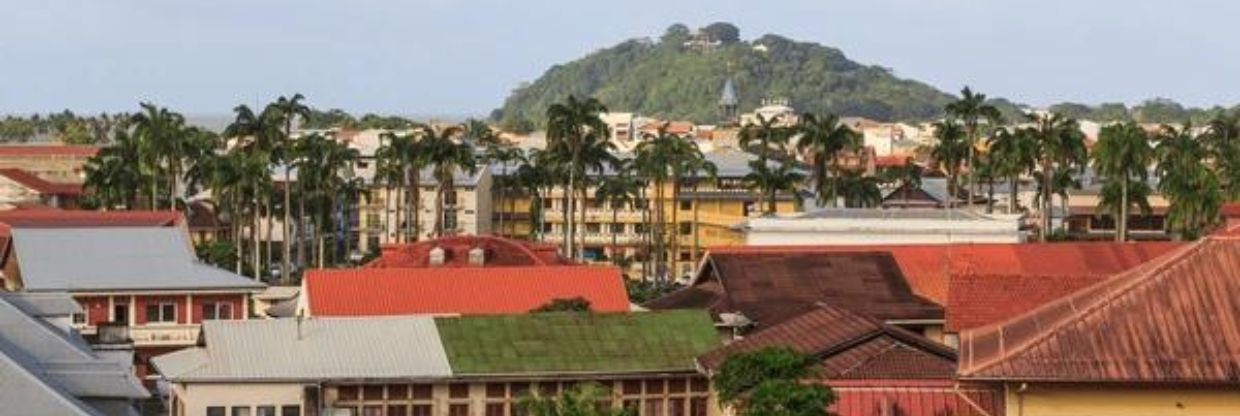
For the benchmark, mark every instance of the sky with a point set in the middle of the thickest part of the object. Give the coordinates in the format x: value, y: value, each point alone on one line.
x: 445, y: 57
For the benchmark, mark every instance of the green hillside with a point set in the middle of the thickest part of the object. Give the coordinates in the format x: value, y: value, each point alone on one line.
x: 666, y: 78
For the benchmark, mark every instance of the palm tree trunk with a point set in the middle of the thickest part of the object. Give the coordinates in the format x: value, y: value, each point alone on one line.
x: 439, y: 211
x: 235, y: 224
x: 503, y: 177
x: 415, y: 206
x: 615, y: 215
x: 1013, y: 188
x: 1121, y: 226
x: 255, y: 255
x: 301, y: 229
x: 675, y: 256
x: 990, y: 196
x: 287, y: 228
x: 582, y: 229
x: 697, y: 236
x: 1046, y: 202
x: 569, y: 210
x: 269, y: 232
x: 661, y: 236
x: 971, y: 179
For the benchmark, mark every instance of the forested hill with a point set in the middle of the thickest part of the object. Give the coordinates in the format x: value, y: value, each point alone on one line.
x: 670, y: 77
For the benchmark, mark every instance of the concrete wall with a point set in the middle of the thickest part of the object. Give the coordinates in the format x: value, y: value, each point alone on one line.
x: 1091, y: 400
x: 193, y: 400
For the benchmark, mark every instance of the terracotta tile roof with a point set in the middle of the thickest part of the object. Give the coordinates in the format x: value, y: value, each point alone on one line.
x: 978, y: 300
x: 1174, y: 320
x: 55, y: 218
x: 499, y: 252
x: 1229, y: 210
x: 926, y: 268
x: 364, y: 292
x: 916, y: 399
x: 850, y: 346
x: 48, y: 150
x: 769, y: 287
x: 40, y: 185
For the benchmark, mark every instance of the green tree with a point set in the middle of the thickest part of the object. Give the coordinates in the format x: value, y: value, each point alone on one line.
x: 1059, y: 147
x: 1189, y: 185
x: 974, y: 113
x: 858, y: 189
x: 824, y: 138
x: 1123, y: 155
x: 1223, y: 138
x: 775, y: 381
x: 723, y: 32
x: 446, y: 156
x: 573, y: 304
x: 770, y: 180
x: 619, y: 190
x: 1012, y: 154
x: 576, y: 137
x: 287, y: 112
x: 950, y: 151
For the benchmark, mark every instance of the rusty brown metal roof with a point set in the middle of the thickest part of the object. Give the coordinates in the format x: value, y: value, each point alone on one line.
x: 1173, y: 320
x: 849, y: 346
x: 770, y: 287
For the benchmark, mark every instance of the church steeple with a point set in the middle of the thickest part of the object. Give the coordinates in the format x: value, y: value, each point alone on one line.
x: 728, y: 103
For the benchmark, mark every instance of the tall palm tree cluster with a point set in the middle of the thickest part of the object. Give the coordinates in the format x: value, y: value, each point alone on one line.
x: 265, y: 180
x: 1196, y: 168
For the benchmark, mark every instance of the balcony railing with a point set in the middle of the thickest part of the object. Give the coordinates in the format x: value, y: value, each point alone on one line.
x: 157, y: 335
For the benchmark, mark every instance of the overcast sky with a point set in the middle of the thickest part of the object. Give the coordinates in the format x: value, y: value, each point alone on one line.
x: 463, y: 57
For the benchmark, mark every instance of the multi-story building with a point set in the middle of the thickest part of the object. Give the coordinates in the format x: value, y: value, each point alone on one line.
x: 705, y: 213
x: 144, y: 277
x: 20, y: 188
x: 386, y: 218
x: 442, y: 366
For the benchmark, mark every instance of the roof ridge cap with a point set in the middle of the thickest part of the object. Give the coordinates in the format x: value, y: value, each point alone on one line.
x: 1155, y: 267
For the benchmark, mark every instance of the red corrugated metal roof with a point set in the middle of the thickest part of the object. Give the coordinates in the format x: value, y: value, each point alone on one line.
x: 499, y: 252
x: 1173, y: 320
x: 39, y: 185
x: 360, y: 292
x: 83, y: 218
x: 926, y: 266
x: 48, y: 150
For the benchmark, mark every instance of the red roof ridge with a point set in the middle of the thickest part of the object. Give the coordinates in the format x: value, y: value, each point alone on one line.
x: 1125, y: 282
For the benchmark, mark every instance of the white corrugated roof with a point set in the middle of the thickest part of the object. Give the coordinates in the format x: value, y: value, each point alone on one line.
x: 113, y: 258
x: 406, y: 347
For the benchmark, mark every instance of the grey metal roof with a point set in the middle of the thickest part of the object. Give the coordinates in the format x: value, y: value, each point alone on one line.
x: 115, y: 258
x: 405, y: 347
x: 46, y: 370
x: 459, y: 177
x: 50, y: 304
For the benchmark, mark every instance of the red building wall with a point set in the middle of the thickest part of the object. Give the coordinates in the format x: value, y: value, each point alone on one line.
x: 143, y: 301
x: 96, y: 308
x: 236, y: 300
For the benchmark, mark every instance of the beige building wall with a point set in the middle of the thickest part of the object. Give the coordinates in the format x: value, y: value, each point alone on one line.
x: 195, y: 399
x: 1095, y: 400
x: 473, y: 205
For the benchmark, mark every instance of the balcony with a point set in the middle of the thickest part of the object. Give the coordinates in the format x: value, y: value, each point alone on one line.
x: 156, y: 335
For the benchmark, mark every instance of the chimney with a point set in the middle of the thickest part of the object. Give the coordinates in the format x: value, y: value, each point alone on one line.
x: 477, y: 256
x: 437, y: 256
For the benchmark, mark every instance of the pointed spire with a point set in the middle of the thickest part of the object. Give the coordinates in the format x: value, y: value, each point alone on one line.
x: 728, y: 99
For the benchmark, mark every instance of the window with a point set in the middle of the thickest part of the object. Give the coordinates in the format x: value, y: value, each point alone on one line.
x: 161, y: 312
x: 397, y: 410
x: 697, y: 406
x: 547, y: 228
x: 458, y: 391
x: 593, y: 227
x: 640, y: 228
x: 290, y: 410
x: 449, y: 219
x: 217, y: 310
x: 686, y: 228
x: 266, y: 411
x: 686, y: 205
x: 617, y: 228
x: 241, y: 411
x: 496, y: 409
x: 458, y: 410
x: 421, y: 410
x: 79, y: 318
x: 347, y: 392
x: 372, y: 410
x: 215, y: 411
x: 422, y: 392
x: 654, y: 407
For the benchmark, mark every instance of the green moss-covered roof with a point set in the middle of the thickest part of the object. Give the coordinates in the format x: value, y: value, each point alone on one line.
x: 576, y: 342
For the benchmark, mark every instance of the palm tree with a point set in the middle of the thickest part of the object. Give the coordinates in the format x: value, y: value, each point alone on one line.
x: 619, y: 190
x: 1223, y: 137
x: 656, y: 158
x: 906, y: 176
x: 949, y: 153
x: 569, y: 128
x: 770, y: 180
x: 1122, y: 155
x: 824, y: 138
x: 162, y: 137
x: 972, y: 110
x: 504, y: 155
x: 113, y: 177
x: 700, y: 168
x: 288, y: 110
x: 446, y: 156
x: 255, y: 134
x: 766, y: 135
x: 1190, y: 186
x: 1059, y: 147
x: 1119, y: 199
x: 532, y: 177
x: 1011, y: 153
x: 858, y: 190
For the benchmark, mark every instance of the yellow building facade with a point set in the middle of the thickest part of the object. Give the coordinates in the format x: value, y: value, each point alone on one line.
x: 1096, y: 400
